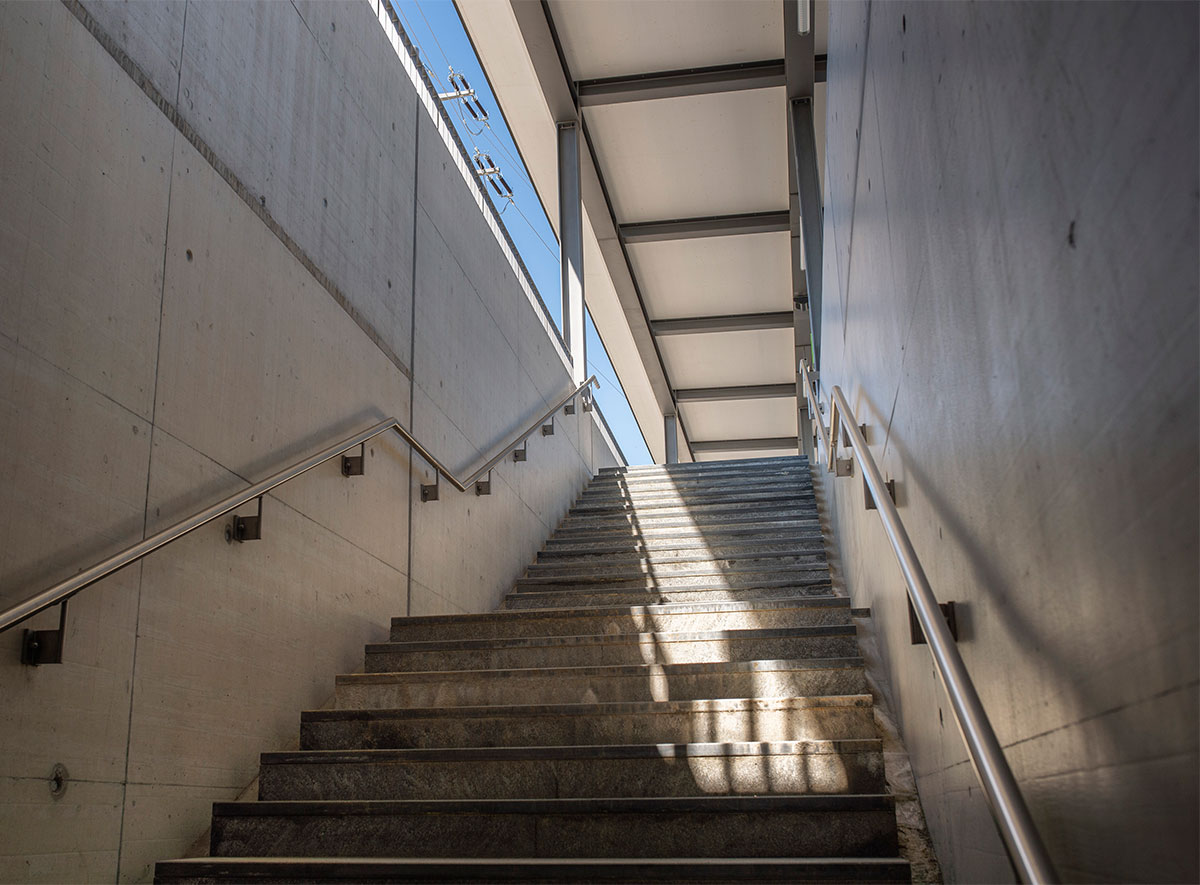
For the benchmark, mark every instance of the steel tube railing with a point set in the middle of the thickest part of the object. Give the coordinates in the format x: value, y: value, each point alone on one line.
x: 65, y: 589
x: 1021, y: 838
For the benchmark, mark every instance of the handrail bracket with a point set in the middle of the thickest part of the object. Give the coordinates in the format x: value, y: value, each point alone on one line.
x: 45, y: 646
x: 355, y: 465
x: 245, y: 528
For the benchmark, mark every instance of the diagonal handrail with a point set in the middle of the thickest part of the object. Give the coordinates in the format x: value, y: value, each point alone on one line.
x: 63, y: 590
x: 1024, y: 844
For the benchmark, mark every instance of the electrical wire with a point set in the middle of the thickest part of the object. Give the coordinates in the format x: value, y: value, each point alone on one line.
x: 432, y: 33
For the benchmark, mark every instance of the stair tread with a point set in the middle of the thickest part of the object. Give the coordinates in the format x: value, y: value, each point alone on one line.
x: 691, y: 750
x: 817, y: 802
x: 828, y: 601
x: 633, y: 670
x: 612, y: 708
x: 630, y: 638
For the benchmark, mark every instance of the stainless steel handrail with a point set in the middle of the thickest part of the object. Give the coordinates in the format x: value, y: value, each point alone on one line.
x: 1025, y: 848
x: 63, y: 590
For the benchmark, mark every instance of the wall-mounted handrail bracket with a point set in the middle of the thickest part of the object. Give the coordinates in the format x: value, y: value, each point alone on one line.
x: 548, y: 429
x: 484, y: 486
x: 843, y: 467
x: 355, y: 465
x: 569, y: 408
x: 45, y: 646
x: 522, y: 454
x: 429, y: 491
x: 917, y: 635
x: 245, y: 528
x: 869, y: 499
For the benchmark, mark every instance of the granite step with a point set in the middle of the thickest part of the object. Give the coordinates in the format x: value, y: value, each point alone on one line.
x: 628, y: 682
x: 704, y: 533
x: 644, y: 595
x: 576, y: 772
x: 708, y: 504
x: 676, y: 551
x: 695, y: 574
x: 795, y: 611
x: 614, y: 871
x: 697, y: 563
x: 710, y: 826
x: 689, y: 519
x: 674, y: 497
x: 746, y: 465
x: 608, y: 489
x: 815, y: 717
x: 788, y: 643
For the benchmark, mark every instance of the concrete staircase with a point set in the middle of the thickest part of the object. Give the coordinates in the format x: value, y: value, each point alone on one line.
x: 671, y: 693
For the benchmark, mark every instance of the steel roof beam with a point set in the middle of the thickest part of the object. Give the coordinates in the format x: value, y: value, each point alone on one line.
x: 711, y: 226
x: 727, y: 394
x: 688, y: 82
x: 741, y: 322
x: 712, y: 446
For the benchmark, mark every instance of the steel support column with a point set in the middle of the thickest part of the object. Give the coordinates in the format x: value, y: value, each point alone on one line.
x: 671, y: 435
x: 808, y: 180
x: 570, y: 248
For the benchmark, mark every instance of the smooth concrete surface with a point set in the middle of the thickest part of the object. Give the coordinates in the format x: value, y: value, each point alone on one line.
x: 1011, y: 308
x: 222, y: 229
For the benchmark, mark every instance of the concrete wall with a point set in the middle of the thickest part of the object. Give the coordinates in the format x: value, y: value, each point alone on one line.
x: 229, y: 235
x: 1011, y: 308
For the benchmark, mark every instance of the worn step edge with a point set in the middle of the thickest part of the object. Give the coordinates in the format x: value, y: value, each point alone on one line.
x: 520, y: 869
x: 600, y: 708
x: 591, y: 639
x: 633, y: 610
x: 809, y: 802
x: 694, y: 750
x: 605, y: 671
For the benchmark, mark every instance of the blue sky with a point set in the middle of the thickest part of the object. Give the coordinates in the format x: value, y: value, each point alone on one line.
x: 435, y: 28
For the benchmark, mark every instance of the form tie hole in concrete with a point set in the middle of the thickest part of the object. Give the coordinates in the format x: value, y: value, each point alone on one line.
x: 903, y: 24
x: 58, y: 780
x: 189, y: 254
x: 1071, y: 235
x: 325, y: 202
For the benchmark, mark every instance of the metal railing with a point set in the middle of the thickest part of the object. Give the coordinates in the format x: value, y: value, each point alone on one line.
x: 64, y: 590
x: 1025, y: 849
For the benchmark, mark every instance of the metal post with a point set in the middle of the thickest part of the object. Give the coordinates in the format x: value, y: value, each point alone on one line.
x: 804, y: 160
x: 671, y: 437
x: 570, y: 248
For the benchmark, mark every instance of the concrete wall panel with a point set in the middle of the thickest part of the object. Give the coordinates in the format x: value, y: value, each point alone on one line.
x: 207, y: 275
x: 1011, y: 308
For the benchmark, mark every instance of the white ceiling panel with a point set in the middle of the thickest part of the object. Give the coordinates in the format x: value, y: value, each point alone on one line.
x: 707, y: 276
x: 616, y: 38
x: 720, y: 359
x: 745, y: 419
x: 719, y: 154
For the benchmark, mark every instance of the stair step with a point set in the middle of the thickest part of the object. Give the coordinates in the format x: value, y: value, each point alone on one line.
x: 814, y: 717
x: 707, y: 505
x: 792, y: 611
x: 694, y: 498
x: 602, y: 596
x: 635, y: 537
x: 696, y: 576
x: 630, y: 770
x: 680, y: 551
x: 622, y: 490
x: 694, y: 563
x: 789, y: 643
x: 711, y: 826
x: 616, y: 871
x: 790, y: 517
x: 629, y: 682
x: 746, y: 465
